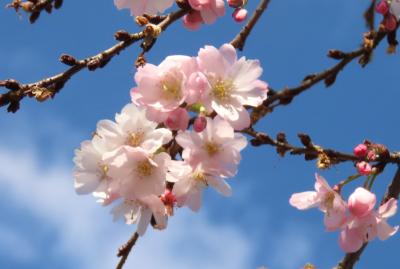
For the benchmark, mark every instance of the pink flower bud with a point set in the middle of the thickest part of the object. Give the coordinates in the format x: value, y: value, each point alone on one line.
x: 361, y: 150
x: 177, y: 119
x: 200, y: 123
x: 364, y: 168
x: 235, y: 3
x: 361, y: 202
x: 240, y: 14
x: 390, y: 22
x: 382, y: 7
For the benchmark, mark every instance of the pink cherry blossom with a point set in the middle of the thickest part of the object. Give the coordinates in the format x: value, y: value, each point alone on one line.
x: 140, y: 7
x: 240, y: 14
x: 178, y: 119
x: 361, y: 202
x: 360, y: 230
x: 162, y: 89
x: 139, y: 173
x: 361, y: 150
x: 329, y: 201
x: 192, y: 181
x: 209, y: 10
x: 364, y: 168
x: 132, y: 128
x: 217, y: 147
x: 140, y: 212
x: 232, y: 84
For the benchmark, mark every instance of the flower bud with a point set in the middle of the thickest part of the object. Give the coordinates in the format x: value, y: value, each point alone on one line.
x: 177, y: 119
x: 361, y: 202
x: 364, y: 168
x: 200, y: 123
x: 361, y: 150
x: 240, y: 14
x: 390, y: 22
x: 382, y: 7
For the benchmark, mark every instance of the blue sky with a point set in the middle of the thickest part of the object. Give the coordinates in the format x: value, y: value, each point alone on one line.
x: 44, y: 224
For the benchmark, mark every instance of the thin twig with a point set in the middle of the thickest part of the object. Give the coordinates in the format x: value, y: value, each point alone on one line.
x: 124, y: 251
x: 48, y: 87
x: 34, y: 8
x: 240, y: 39
x: 285, y: 96
x: 310, y: 150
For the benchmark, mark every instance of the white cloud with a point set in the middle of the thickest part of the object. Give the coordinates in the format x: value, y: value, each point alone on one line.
x: 87, y: 235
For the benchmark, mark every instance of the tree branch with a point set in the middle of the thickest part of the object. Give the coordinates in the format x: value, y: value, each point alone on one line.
x: 35, y: 7
x: 240, y: 39
x: 285, y: 96
x: 326, y: 157
x: 48, y: 87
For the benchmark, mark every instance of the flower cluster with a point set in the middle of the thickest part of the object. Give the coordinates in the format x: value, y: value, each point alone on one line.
x: 215, y: 80
x: 202, y: 11
x: 368, y: 152
x: 390, y: 9
x: 357, y: 220
x: 129, y: 159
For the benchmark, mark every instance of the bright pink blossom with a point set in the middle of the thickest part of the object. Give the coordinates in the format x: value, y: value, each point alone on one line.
x: 329, y: 201
x: 361, y: 202
x: 140, y: 7
x: 361, y: 150
x: 382, y: 7
x: 232, y: 84
x: 162, y: 89
x: 361, y: 230
x: 364, y: 168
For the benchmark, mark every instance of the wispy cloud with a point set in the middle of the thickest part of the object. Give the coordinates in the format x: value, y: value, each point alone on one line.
x: 86, y: 235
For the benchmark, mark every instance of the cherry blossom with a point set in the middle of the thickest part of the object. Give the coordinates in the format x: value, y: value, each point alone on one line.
x: 360, y: 230
x: 132, y: 128
x: 232, y: 84
x: 139, y: 174
x: 140, y: 7
x: 91, y: 172
x: 140, y: 212
x: 191, y: 181
x: 329, y: 201
x: 162, y: 89
x: 217, y: 147
x: 209, y: 10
